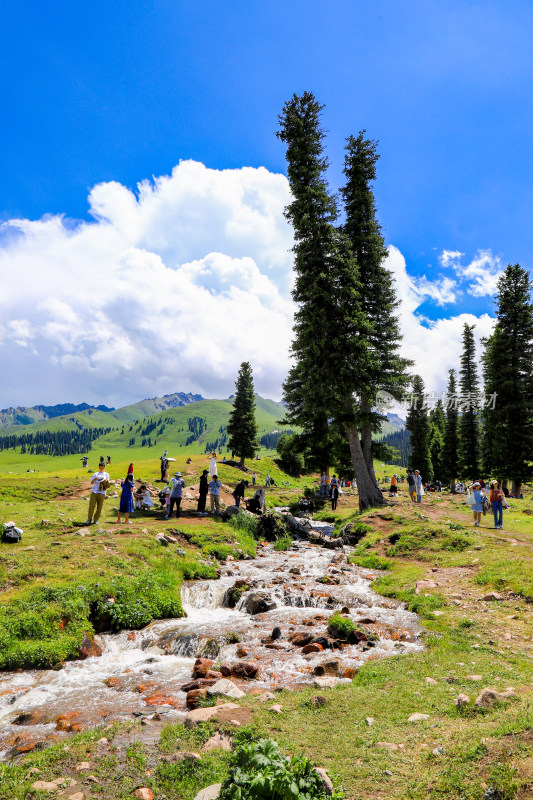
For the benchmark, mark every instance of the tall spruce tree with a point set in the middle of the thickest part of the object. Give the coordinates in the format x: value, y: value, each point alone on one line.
x: 451, y: 435
x: 508, y: 375
x: 387, y: 370
x: 242, y: 426
x: 329, y: 346
x: 470, y: 401
x: 417, y: 423
x: 437, y: 425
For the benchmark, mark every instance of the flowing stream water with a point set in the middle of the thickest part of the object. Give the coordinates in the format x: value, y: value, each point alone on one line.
x: 140, y: 672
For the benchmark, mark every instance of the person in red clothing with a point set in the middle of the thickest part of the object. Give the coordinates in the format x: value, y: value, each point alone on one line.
x: 496, y: 500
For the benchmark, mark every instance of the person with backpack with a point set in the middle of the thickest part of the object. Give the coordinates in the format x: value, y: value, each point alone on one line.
x: 126, y: 499
x: 99, y: 483
x: 497, y: 498
x: 177, y: 485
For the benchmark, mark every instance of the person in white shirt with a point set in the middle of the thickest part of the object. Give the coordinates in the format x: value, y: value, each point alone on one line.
x: 96, y: 500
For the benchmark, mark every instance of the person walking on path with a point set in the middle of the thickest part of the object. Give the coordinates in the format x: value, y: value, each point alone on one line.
x: 496, y: 500
x: 203, y: 491
x: 334, y: 496
x: 214, y: 491
x: 99, y: 482
x: 177, y: 485
x: 477, y: 504
x: 419, y: 486
x: 267, y: 481
x: 164, y: 464
x: 253, y: 479
x: 126, y: 499
x: 323, y: 484
x: 238, y: 492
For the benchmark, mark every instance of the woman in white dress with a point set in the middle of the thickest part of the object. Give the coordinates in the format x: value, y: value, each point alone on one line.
x: 213, y: 464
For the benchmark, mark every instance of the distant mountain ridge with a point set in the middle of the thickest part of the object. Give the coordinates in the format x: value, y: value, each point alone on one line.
x: 24, y: 415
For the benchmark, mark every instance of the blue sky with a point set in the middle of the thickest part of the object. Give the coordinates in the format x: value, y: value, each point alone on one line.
x: 122, y: 91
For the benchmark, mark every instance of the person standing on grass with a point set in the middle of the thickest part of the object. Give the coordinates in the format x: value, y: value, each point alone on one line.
x: 496, y: 500
x: 322, y: 484
x: 411, y: 485
x: 214, y: 491
x: 126, y: 499
x: 477, y: 505
x: 334, y: 496
x: 177, y: 485
x: 253, y: 479
x: 267, y: 481
x: 419, y: 483
x: 203, y: 491
x: 99, y: 482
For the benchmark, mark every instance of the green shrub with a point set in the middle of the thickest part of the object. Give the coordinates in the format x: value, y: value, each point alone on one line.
x: 258, y: 770
x: 245, y: 522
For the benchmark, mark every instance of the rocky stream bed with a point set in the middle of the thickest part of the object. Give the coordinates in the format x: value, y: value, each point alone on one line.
x: 275, y: 636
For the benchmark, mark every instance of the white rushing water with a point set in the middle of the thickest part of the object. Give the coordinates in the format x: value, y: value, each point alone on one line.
x: 158, y: 660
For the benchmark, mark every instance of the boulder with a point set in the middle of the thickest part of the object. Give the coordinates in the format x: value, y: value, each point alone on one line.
x: 259, y: 602
x: 88, y: 647
x: 312, y: 647
x: 352, y: 533
x: 219, y: 741
x: 209, y: 793
x: 326, y: 683
x: 144, y: 793
x: 226, y: 688
x: 195, y: 696
x: 160, y: 537
x: 423, y: 585
x: 201, y: 667
x: 300, y: 638
x: 492, y: 596
x: 416, y: 717
x: 200, y: 715
x: 488, y: 697
x: 245, y: 670
x: 276, y: 633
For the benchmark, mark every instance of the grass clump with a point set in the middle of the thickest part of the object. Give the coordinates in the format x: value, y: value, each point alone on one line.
x: 283, y: 543
x: 343, y: 627
x: 371, y: 561
x: 245, y: 522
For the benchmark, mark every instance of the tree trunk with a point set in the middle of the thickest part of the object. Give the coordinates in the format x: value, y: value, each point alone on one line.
x: 366, y: 443
x: 516, y: 487
x: 367, y: 489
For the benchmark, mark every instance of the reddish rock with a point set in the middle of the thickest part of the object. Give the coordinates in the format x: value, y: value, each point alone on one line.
x: 88, y: 647
x: 312, y: 648
x: 66, y: 722
x: 301, y: 638
x: 195, y: 696
x: 242, y: 652
x: 201, y: 667
x: 144, y: 793
x: 29, y: 718
x: 197, y: 684
x: 161, y: 700
x: 213, y: 675
x: 225, y: 670
x: 113, y: 683
x: 245, y: 670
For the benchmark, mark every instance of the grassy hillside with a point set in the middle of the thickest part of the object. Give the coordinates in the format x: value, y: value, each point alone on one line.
x: 169, y: 429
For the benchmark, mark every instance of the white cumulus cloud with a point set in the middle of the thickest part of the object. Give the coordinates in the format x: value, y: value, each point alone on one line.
x: 169, y: 288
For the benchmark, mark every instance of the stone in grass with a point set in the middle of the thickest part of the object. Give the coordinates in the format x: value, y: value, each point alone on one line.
x: 326, y: 780
x: 431, y: 681
x: 77, y: 796
x: 462, y: 701
x: 82, y: 766
x: 416, y: 717
x: 389, y: 745
x: 475, y: 678
x: 326, y: 683
x: 219, y: 741
x: 488, y: 697
x: 492, y: 596
x: 143, y: 793
x: 369, y: 720
x: 209, y: 793
x: 276, y: 709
